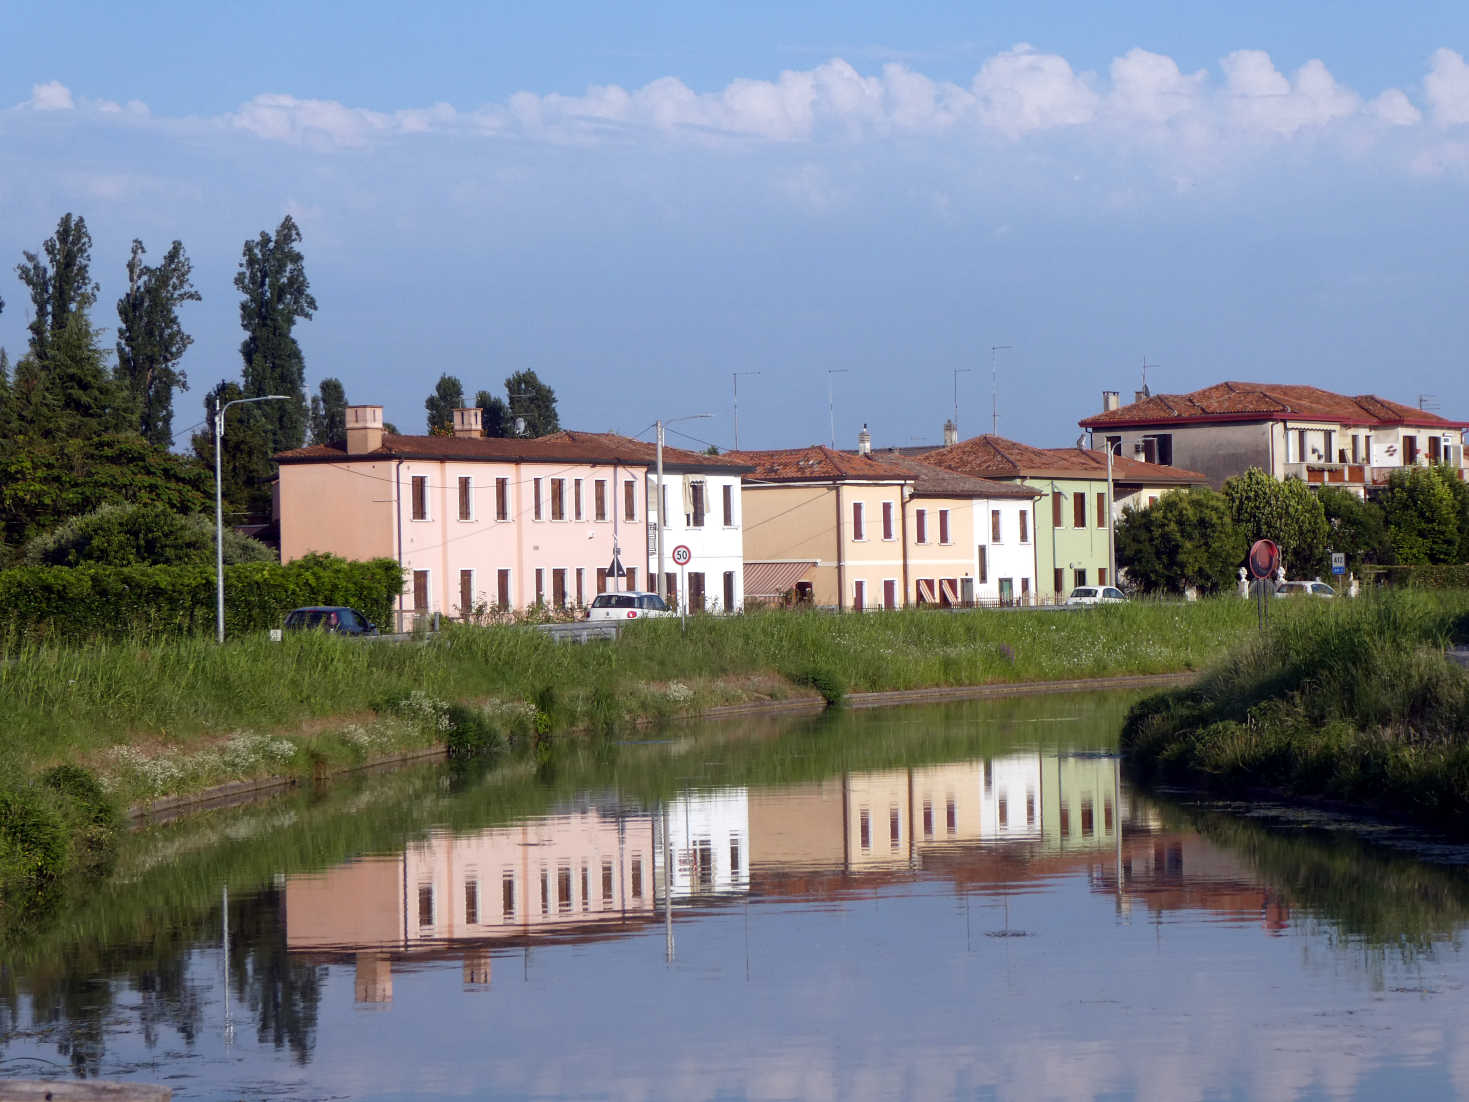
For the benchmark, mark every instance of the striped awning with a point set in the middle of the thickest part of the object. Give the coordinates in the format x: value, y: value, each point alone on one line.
x: 774, y: 579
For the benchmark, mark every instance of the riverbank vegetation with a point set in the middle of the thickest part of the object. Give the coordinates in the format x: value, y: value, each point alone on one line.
x: 1354, y: 703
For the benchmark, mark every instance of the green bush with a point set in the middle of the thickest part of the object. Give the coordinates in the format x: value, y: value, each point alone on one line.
x: 35, y: 846
x: 469, y: 733
x: 828, y: 682
x: 74, y: 604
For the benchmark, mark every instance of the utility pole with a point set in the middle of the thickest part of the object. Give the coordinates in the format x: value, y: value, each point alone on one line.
x: 995, y: 350
x: 957, y: 372
x: 658, y: 491
x: 830, y: 404
x: 735, y: 376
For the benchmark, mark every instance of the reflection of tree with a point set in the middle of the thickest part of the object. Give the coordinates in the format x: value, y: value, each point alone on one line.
x: 282, y: 992
x: 72, y: 1009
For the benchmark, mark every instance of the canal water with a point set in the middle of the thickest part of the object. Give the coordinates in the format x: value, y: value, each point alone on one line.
x: 964, y: 901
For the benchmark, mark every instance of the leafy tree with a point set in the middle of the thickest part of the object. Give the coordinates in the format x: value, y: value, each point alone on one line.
x: 1421, y: 515
x: 1187, y: 538
x: 272, y: 279
x: 60, y: 285
x: 1356, y: 527
x: 533, y: 401
x: 246, y: 467
x: 47, y: 481
x: 146, y: 534
x: 1286, y: 512
x: 494, y: 414
x: 150, y: 340
x: 448, y: 396
x: 7, y: 418
x: 329, y: 413
x: 1449, y: 476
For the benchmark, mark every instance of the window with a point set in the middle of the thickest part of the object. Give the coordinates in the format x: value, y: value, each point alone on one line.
x: 995, y: 531
x: 890, y: 594
x: 1410, y: 450
x: 629, y: 500
x: 637, y: 876
x: 1088, y: 817
x: 558, y: 587
x: 420, y: 590
x: 1058, y: 580
x: 586, y: 886
x: 507, y: 895
x: 535, y: 491
x: 1152, y: 499
x: 920, y: 526
x: 895, y: 828
x: 502, y: 588
x: 670, y: 588
x: 425, y: 904
x: 1101, y: 510
x: 1056, y: 496
x: 1025, y: 591
x: 581, y: 586
x: 887, y: 520
x: 558, y: 499
x: 858, y: 530
x: 729, y: 591
x: 545, y: 891
x: 696, y: 503
x: 696, y: 591
x: 728, y: 494
x: 927, y: 818
x: 563, y: 888
x: 944, y: 526
x: 502, y: 499
x: 1024, y: 525
x: 1002, y: 811
x: 540, y: 586
x: 471, y: 902
x: 420, y: 497
x: 859, y: 594
x: 466, y: 593
x: 864, y: 830
x: 984, y: 564
x: 1078, y: 509
x: 465, y: 498
x: 576, y: 499
x: 734, y: 856
x: 599, y: 499
x: 1030, y: 807
x: 951, y: 816
x: 606, y: 881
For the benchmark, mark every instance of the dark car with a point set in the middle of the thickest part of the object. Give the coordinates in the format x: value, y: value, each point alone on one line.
x: 338, y: 619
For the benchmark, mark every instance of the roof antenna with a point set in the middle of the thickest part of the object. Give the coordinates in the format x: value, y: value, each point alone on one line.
x: 1146, y: 392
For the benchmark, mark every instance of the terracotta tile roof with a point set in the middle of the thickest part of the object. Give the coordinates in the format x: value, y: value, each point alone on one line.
x: 931, y: 481
x: 995, y: 457
x: 817, y: 463
x: 1235, y: 401
x: 560, y: 447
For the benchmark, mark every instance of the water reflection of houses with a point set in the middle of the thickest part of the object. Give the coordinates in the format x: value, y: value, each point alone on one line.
x: 987, y: 825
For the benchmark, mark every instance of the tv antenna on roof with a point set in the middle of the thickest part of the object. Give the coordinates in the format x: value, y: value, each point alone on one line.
x: 1428, y: 402
x: 1146, y: 365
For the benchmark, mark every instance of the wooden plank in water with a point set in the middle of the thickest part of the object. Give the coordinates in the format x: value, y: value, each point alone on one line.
x: 80, y: 1090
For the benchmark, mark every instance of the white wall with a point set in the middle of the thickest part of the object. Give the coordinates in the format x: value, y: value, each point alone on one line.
x: 711, y: 829
x: 1009, y: 558
x: 717, y: 548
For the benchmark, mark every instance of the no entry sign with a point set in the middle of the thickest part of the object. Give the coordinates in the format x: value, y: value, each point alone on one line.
x: 1264, y: 559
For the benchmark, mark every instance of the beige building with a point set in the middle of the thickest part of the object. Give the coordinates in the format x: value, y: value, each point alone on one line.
x: 1288, y: 431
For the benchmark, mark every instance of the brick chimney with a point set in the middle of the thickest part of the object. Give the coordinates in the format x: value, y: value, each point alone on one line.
x: 1111, y: 399
x: 467, y: 423
x: 864, y: 442
x: 364, y: 429
x: 951, y: 433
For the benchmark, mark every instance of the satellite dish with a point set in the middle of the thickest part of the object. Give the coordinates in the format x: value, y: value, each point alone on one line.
x: 520, y: 426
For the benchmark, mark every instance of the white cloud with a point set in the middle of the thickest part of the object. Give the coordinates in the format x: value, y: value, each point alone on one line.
x: 1149, y: 87
x: 1263, y: 100
x: 1020, y: 91
x: 1446, y: 87
x: 51, y: 96
x: 1395, y: 108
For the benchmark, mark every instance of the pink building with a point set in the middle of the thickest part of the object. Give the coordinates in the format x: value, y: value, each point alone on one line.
x: 477, y: 523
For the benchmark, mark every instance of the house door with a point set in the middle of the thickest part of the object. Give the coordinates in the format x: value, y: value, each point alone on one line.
x: 696, y: 591
x: 1007, y: 592
x: 558, y: 588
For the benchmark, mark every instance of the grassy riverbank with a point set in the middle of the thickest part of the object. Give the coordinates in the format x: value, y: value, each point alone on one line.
x: 1353, y: 703
x: 170, y: 717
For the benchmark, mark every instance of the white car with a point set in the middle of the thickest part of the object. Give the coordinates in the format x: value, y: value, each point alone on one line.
x: 627, y: 606
x: 1095, y: 595
x: 1304, y: 589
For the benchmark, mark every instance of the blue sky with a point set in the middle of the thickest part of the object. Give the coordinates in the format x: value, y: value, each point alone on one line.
x: 638, y: 200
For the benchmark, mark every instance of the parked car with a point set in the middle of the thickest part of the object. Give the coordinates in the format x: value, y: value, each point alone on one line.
x: 1095, y: 595
x: 338, y: 619
x: 1304, y: 589
x: 627, y: 606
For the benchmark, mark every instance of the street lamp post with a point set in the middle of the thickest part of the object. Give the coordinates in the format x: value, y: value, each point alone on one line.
x: 219, y: 506
x: 957, y: 372
x: 735, y: 375
x: 995, y: 350
x: 658, y: 490
x: 831, y: 403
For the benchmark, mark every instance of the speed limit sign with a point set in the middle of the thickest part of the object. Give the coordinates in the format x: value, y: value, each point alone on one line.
x: 682, y: 555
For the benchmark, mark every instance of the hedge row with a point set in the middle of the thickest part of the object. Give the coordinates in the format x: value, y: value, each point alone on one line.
x: 1450, y: 576
x: 70, y: 604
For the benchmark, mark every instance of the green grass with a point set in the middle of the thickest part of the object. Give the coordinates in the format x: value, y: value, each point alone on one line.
x: 1354, y: 703
x: 172, y: 716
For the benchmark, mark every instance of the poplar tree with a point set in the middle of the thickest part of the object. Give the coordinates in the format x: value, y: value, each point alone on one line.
x: 329, y: 413
x: 448, y: 396
x: 494, y: 414
x: 59, y: 279
x: 272, y: 279
x: 150, y: 340
x: 533, y: 401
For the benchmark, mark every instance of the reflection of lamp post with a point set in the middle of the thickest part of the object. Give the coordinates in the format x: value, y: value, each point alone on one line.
x: 219, y: 506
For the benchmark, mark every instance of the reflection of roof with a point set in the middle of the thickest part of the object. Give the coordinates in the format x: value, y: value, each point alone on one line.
x: 995, y: 457
x: 817, y: 463
x: 560, y: 447
x: 772, y: 579
x: 1266, y: 402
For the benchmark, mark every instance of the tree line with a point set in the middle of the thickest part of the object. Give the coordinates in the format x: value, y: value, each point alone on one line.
x: 1199, y: 538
